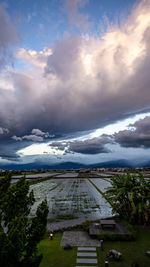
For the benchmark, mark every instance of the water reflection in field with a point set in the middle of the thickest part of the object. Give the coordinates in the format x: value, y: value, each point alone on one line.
x: 72, y: 196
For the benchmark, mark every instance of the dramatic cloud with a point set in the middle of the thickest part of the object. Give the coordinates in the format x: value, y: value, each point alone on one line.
x: 8, y: 36
x: 35, y: 136
x: 59, y: 145
x: 89, y: 146
x: 9, y: 148
x: 30, y: 137
x: 81, y: 83
x: 137, y: 136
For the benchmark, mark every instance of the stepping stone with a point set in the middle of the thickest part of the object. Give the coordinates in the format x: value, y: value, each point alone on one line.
x: 86, y: 254
x: 86, y: 249
x: 86, y: 260
x: 86, y: 266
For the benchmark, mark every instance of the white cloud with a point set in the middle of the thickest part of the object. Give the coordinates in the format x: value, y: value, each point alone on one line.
x: 38, y: 59
x: 17, y: 138
x: 33, y: 138
x: 30, y: 137
x: 38, y: 132
x: 3, y: 130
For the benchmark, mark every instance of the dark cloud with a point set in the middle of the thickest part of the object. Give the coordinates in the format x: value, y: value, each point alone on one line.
x: 85, y: 83
x: 9, y: 148
x: 89, y: 146
x: 59, y: 145
x: 35, y: 136
x: 137, y: 136
x: 80, y: 90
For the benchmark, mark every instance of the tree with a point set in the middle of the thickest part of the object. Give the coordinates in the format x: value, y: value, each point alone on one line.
x: 130, y: 197
x: 19, y: 232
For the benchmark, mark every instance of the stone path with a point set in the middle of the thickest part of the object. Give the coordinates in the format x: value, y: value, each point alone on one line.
x: 86, y: 249
x: 64, y: 224
x: 87, y: 257
x: 86, y: 254
x: 79, y: 239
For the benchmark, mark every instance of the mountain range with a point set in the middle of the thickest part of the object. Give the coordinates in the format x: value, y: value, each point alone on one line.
x: 73, y: 165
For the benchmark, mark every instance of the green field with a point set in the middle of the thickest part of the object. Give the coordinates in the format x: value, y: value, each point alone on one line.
x: 132, y: 251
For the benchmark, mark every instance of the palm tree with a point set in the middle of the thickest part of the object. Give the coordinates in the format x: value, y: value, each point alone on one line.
x: 129, y: 196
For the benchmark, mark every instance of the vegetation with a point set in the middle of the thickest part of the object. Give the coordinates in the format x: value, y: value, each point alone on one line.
x: 62, y: 217
x: 132, y: 251
x: 115, y: 236
x: 19, y: 233
x: 85, y: 225
x: 66, y: 216
x: 130, y: 198
x: 54, y: 255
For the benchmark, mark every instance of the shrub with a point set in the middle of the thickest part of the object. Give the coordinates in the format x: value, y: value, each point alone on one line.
x: 86, y: 225
x: 115, y: 237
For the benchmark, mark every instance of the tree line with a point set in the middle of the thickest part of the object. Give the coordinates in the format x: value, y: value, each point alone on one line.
x: 19, y: 232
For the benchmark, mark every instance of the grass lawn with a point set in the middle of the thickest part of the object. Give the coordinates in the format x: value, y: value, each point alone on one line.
x: 54, y: 255
x: 132, y: 251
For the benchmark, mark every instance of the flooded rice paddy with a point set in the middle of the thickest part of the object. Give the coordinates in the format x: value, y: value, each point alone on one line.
x: 73, y: 196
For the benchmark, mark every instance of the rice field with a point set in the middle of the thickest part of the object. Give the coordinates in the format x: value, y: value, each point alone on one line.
x: 72, y: 196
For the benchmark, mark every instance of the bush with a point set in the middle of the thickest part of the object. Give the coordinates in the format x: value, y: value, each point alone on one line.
x: 115, y: 237
x: 132, y: 231
x: 86, y: 225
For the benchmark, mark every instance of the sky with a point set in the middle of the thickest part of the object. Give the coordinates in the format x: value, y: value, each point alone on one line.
x: 74, y: 81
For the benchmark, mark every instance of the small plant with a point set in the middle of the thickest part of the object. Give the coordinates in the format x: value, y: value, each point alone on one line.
x: 132, y: 231
x: 66, y: 217
x: 85, y: 225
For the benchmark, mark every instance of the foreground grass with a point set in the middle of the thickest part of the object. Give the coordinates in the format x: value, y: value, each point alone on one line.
x: 132, y: 251
x: 54, y: 255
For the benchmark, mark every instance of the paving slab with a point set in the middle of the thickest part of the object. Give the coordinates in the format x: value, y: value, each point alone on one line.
x: 79, y: 239
x: 86, y: 254
x: 86, y: 249
x: 64, y: 224
x: 86, y: 260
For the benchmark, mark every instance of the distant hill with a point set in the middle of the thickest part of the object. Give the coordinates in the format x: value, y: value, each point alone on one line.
x: 145, y: 164
x: 70, y: 165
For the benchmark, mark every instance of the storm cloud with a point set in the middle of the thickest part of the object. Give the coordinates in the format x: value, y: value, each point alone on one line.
x: 89, y: 146
x: 36, y: 135
x: 137, y: 136
x: 81, y: 83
